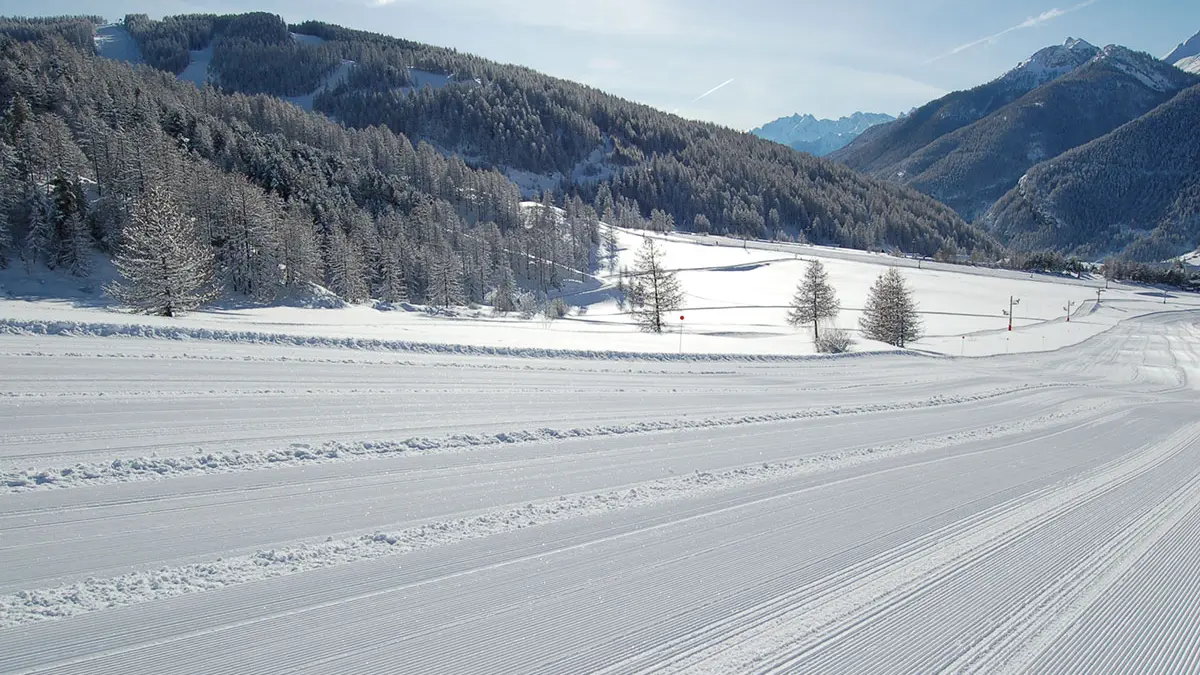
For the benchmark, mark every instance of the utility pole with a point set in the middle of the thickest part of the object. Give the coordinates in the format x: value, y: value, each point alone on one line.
x: 1070, y: 304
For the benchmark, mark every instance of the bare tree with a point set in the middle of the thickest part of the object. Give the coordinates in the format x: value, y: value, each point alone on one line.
x: 165, y: 268
x: 815, y: 300
x: 891, y: 313
x: 654, y: 290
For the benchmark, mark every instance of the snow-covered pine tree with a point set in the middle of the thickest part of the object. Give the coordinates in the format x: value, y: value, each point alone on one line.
x: 891, y: 313
x: 504, y: 298
x: 445, y: 278
x: 165, y: 269
x: 75, y: 249
x: 612, y: 248
x: 814, y: 301
x: 344, y: 268
x: 6, y: 240
x: 654, y: 290
x: 39, y: 227
x: 393, y: 277
x: 301, y: 256
x: 249, y: 243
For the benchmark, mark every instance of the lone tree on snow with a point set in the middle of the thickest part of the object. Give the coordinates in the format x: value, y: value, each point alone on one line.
x: 814, y: 301
x: 166, y: 269
x: 654, y: 290
x: 891, y: 313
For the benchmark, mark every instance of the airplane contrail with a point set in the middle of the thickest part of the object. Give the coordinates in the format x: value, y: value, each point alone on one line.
x: 714, y: 89
x: 1031, y: 22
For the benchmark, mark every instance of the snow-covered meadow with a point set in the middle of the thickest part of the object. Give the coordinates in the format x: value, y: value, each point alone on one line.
x: 735, y: 304
x: 331, y: 489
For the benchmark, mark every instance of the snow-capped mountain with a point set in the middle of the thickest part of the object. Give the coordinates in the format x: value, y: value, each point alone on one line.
x: 1186, y: 56
x: 1184, y: 50
x: 1049, y: 64
x: 882, y: 148
x: 819, y: 136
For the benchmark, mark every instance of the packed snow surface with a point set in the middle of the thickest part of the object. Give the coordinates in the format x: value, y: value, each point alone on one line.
x: 286, y: 489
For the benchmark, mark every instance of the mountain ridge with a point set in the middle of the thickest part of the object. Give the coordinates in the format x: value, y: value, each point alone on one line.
x: 819, y: 137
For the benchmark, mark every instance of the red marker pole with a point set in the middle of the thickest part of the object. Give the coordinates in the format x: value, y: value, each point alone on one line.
x: 680, y: 333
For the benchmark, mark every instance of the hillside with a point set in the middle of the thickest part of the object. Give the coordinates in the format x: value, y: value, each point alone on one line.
x: 280, y: 202
x: 878, y: 151
x: 1134, y: 191
x: 551, y: 133
x: 819, y: 137
x: 972, y: 167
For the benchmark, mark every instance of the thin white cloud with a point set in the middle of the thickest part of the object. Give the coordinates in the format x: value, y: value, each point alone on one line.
x: 1031, y: 22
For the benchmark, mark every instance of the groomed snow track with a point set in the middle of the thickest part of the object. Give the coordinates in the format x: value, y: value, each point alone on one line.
x: 1033, y: 513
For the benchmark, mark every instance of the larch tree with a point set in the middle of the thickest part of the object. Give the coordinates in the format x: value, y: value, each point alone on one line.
x: 445, y: 279
x: 654, y: 290
x: 891, y: 313
x: 814, y: 301
x: 165, y: 269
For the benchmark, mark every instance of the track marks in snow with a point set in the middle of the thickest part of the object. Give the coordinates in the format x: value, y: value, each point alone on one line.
x: 123, y: 470
x: 95, y: 594
x: 785, y: 634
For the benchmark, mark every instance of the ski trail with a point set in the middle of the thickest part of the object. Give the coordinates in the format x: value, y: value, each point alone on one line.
x: 778, y: 636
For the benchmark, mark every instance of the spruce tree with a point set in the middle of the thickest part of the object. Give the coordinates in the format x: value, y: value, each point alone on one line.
x: 654, y: 290
x: 814, y: 301
x: 891, y: 313
x: 165, y: 269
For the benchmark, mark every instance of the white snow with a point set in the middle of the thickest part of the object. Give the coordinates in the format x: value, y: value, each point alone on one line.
x: 1190, y: 64
x: 1187, y: 49
x: 283, y: 502
x: 114, y: 42
x: 330, y: 490
x: 735, y: 306
x: 197, y: 71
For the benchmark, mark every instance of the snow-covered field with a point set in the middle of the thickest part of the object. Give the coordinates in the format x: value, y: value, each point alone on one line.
x: 735, y: 305
x: 271, y: 490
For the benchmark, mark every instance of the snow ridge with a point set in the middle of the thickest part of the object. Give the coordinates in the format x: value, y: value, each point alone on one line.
x: 29, y: 606
x: 21, y: 327
x: 154, y: 468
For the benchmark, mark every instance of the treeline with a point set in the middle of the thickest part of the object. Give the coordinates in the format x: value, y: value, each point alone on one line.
x: 252, y: 53
x: 281, y: 198
x: 1175, y: 274
x: 79, y: 31
x: 705, y: 176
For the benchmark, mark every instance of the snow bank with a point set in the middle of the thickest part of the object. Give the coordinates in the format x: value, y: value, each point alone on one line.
x: 93, y: 594
x: 123, y: 470
x: 77, y: 328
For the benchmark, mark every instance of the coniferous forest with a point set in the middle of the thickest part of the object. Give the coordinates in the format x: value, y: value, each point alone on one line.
x: 389, y: 183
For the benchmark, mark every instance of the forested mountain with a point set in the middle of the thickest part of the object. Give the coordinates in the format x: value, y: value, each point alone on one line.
x: 279, y: 199
x: 1134, y: 191
x: 564, y: 135
x: 878, y: 150
x: 972, y: 167
x: 819, y: 137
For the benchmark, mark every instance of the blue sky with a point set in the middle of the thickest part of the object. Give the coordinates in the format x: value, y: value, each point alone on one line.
x: 774, y: 57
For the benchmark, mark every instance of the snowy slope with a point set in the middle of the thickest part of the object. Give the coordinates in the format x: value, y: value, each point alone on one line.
x: 1190, y: 64
x: 893, y: 513
x: 197, y: 71
x: 735, y: 304
x: 114, y: 42
x: 1187, y: 49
